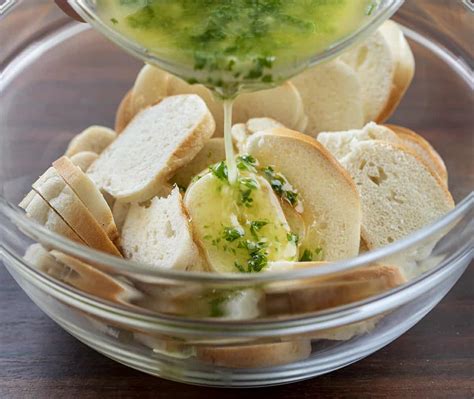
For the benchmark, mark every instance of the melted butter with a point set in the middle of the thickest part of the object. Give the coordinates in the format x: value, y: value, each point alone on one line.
x: 229, y: 229
x: 227, y: 44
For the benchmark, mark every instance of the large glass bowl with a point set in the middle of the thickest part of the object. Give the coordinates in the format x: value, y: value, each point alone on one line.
x: 58, y: 77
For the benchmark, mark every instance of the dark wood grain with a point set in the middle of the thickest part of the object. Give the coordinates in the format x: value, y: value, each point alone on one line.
x: 435, y: 359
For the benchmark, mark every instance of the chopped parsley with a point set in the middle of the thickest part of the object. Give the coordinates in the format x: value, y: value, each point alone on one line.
x: 247, y: 162
x: 114, y: 21
x: 280, y: 186
x: 309, y: 256
x: 293, y: 237
x: 371, y: 8
x: 220, y: 171
x: 256, y: 225
x: 233, y: 233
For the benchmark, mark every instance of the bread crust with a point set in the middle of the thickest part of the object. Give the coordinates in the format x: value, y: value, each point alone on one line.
x: 436, y: 162
x: 74, y: 212
x: 400, y: 147
x: 404, y: 70
x: 255, y: 355
x: 327, y: 292
x: 341, y: 228
x: 124, y: 112
x: 88, y: 193
x: 94, y: 139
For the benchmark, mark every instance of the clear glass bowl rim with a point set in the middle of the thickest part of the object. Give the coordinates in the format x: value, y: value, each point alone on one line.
x: 17, y: 216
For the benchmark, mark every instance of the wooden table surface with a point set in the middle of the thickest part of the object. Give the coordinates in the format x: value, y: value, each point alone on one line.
x: 434, y: 359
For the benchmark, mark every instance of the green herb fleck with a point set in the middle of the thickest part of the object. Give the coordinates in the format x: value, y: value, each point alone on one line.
x: 233, y: 233
x: 219, y: 170
x: 307, y: 256
x: 293, y: 237
x: 216, y: 306
x: 114, y: 21
x: 256, y: 226
x: 247, y: 162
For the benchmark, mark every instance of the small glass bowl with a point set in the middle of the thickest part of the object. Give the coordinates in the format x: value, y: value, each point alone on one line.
x: 59, y: 77
x: 87, y: 9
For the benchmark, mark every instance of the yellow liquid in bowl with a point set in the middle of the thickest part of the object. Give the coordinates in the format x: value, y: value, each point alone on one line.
x: 227, y: 44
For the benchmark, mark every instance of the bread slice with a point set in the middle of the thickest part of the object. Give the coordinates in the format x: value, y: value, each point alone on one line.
x: 38, y: 256
x: 256, y: 355
x: 87, y: 278
x: 159, y: 235
x: 241, y: 131
x: 332, y: 98
x: 94, y: 139
x: 375, y: 65
x: 404, y: 68
x: 385, y: 66
x: 282, y: 103
x: 340, y: 144
x: 177, y: 86
x: 332, y: 225
x: 38, y: 209
x: 88, y: 193
x: 124, y: 113
x: 399, y: 193
x: 120, y: 211
x: 84, y: 159
x: 159, y: 140
x: 422, y: 148
x: 212, y: 152
x: 53, y: 189
x: 211, y: 204
x: 151, y: 86
x: 326, y: 292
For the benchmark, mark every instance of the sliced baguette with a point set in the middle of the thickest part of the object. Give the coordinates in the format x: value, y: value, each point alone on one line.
x: 340, y: 144
x: 314, y: 294
x: 241, y: 131
x: 38, y: 209
x: 399, y: 193
x: 54, y: 190
x: 88, y: 193
x: 159, y: 140
x: 283, y: 104
x: 211, y: 203
x: 84, y: 159
x: 151, y: 86
x: 120, y: 211
x: 89, y: 279
x: 423, y: 148
x: 94, y: 139
x: 332, y: 98
x: 177, y: 86
x: 385, y: 66
x: 256, y: 355
x: 38, y: 256
x: 212, y: 152
x: 124, y: 113
x: 404, y: 68
x: 332, y: 225
x: 375, y: 65
x: 159, y: 235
